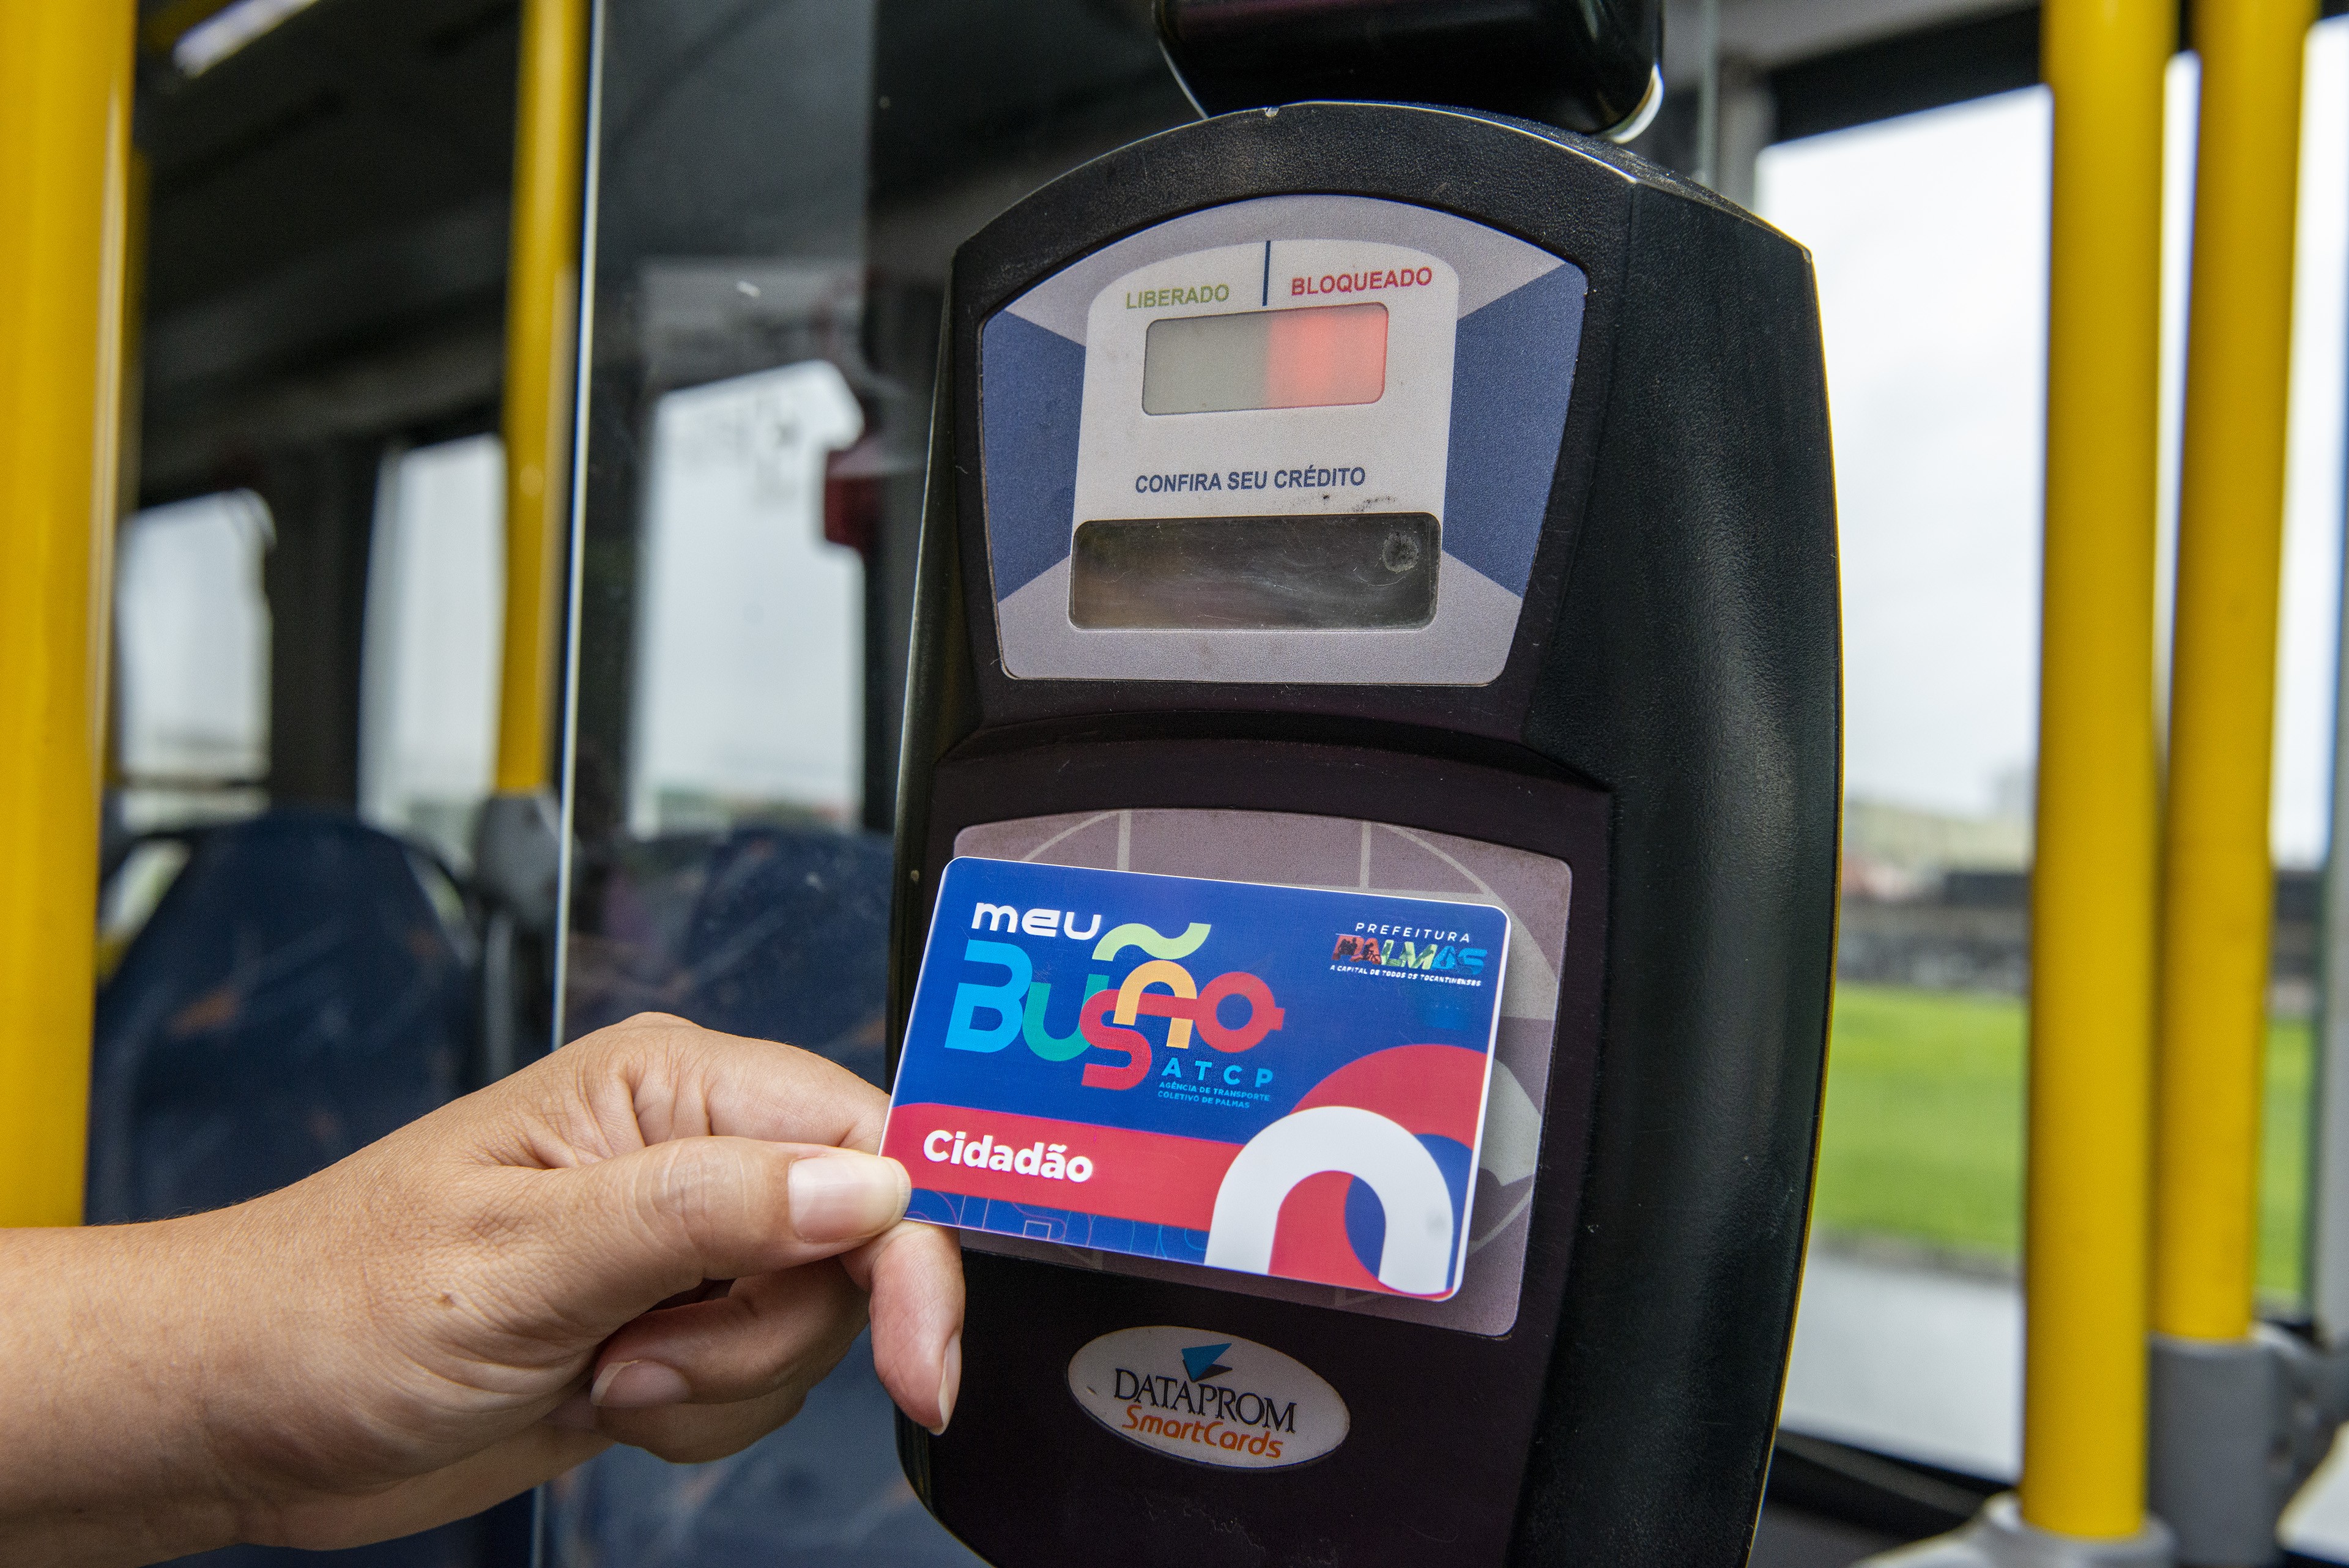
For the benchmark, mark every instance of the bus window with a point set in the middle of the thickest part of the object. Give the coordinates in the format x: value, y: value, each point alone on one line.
x: 750, y: 695
x: 429, y: 669
x: 1930, y: 239
x: 779, y: 189
x: 191, y: 682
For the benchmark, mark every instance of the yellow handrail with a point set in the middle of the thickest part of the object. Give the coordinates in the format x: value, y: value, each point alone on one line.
x: 542, y: 313
x: 2217, y: 883
x: 64, y: 122
x: 2091, y: 937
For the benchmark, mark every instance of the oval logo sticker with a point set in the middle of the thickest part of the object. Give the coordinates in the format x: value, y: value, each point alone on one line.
x: 1208, y: 1397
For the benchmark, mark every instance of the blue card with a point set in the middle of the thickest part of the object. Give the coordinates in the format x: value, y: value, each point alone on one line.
x: 1281, y: 1081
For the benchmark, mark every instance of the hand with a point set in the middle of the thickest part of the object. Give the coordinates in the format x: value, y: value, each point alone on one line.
x: 470, y: 1306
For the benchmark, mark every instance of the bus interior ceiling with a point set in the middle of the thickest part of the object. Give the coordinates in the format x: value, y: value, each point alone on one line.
x: 325, y: 278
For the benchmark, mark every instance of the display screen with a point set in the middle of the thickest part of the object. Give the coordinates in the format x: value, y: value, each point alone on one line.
x: 1317, y: 358
x: 1349, y: 571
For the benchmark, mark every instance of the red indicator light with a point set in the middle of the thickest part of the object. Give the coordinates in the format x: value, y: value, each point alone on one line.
x: 1315, y: 358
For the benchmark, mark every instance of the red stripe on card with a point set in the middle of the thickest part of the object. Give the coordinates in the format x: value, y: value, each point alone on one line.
x: 1155, y: 1178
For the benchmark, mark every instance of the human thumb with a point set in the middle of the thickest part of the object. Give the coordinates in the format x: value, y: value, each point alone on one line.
x: 645, y: 1225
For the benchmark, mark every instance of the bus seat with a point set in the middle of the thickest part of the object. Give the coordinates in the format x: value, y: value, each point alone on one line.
x: 295, y: 996
x: 780, y: 933
x: 789, y: 940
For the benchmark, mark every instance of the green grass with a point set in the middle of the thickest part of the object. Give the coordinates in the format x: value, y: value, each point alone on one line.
x: 1923, y: 1142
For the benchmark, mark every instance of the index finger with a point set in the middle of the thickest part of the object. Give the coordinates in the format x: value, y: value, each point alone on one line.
x: 655, y: 1078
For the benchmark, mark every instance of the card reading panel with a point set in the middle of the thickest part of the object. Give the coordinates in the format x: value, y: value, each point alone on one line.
x: 1299, y: 850
x: 1309, y: 1107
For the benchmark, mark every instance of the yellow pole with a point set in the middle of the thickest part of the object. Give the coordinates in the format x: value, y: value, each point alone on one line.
x: 2216, y: 885
x: 542, y: 312
x: 64, y: 126
x: 2091, y: 935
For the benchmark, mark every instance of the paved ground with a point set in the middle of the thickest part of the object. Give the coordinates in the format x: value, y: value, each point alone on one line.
x: 1930, y: 1366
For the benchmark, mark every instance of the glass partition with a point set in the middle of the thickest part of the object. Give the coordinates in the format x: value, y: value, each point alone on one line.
x: 778, y: 188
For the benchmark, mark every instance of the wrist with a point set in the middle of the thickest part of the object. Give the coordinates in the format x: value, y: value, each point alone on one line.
x: 106, y: 1350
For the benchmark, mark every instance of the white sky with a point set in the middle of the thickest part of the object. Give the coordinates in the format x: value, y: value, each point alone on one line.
x: 192, y: 638
x: 750, y: 643
x: 1931, y: 238
x: 435, y: 626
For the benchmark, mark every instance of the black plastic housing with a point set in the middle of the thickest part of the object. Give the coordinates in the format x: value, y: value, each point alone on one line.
x: 1668, y: 722
x: 1582, y: 65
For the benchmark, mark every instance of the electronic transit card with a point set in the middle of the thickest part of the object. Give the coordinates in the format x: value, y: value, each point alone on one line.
x: 1282, y: 1081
